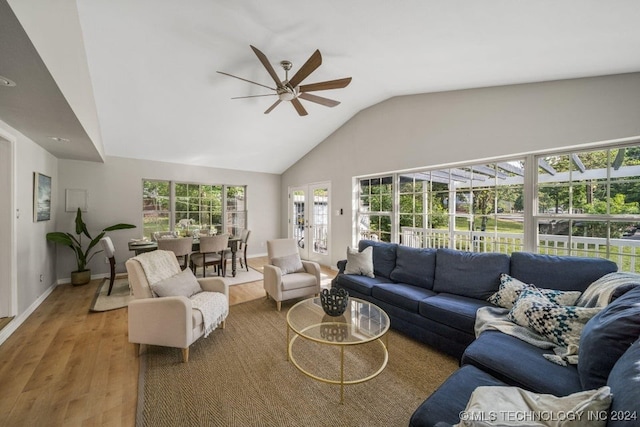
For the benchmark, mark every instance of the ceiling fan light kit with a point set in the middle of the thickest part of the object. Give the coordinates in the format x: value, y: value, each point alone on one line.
x: 290, y: 90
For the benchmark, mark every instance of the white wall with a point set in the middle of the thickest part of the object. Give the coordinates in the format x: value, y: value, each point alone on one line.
x: 115, y: 196
x: 35, y: 257
x: 449, y: 127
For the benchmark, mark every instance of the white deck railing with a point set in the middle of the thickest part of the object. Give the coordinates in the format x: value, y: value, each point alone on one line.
x: 624, y: 252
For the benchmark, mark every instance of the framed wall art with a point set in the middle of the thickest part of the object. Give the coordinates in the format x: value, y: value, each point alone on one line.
x: 41, y: 197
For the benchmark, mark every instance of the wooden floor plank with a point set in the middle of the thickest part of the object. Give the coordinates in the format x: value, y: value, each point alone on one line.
x: 67, y: 366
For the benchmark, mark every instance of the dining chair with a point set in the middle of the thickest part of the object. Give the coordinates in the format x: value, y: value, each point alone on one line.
x: 211, y: 253
x: 244, y: 238
x: 181, y: 247
x: 241, y: 252
x: 109, y: 252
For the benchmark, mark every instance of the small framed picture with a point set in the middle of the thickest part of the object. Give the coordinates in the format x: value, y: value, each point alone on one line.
x: 41, y: 197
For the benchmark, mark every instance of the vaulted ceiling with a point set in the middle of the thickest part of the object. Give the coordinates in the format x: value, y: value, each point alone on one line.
x: 139, y: 76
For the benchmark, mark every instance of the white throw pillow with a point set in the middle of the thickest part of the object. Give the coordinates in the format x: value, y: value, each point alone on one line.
x: 513, y: 406
x: 360, y: 262
x: 182, y: 284
x: 289, y: 264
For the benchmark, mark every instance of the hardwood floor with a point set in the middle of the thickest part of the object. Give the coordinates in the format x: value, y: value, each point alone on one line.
x: 67, y: 366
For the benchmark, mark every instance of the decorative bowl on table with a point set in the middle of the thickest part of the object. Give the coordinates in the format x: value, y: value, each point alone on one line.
x: 334, y: 301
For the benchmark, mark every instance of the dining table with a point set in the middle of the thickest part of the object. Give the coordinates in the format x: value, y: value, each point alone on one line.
x: 141, y: 246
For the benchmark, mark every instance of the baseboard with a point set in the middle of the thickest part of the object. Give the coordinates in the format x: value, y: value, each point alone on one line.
x: 66, y: 280
x: 20, y: 319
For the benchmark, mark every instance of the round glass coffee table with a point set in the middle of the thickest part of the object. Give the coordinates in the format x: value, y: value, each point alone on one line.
x: 361, y: 323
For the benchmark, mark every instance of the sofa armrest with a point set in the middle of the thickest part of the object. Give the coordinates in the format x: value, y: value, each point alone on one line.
x: 272, y: 280
x: 342, y: 264
x: 161, y: 321
x: 312, y: 268
x: 215, y: 284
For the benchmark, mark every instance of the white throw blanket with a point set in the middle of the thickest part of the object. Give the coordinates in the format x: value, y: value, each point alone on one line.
x: 158, y: 265
x: 495, y: 318
x: 600, y: 292
x: 214, y: 307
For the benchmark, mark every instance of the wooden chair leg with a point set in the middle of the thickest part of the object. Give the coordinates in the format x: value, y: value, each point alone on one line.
x: 278, y: 305
x: 185, y: 355
x: 112, y: 263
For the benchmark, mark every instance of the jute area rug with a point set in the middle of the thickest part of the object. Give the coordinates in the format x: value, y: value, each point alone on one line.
x: 239, y: 376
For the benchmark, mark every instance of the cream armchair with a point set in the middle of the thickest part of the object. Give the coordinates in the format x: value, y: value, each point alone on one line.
x: 169, y: 321
x: 287, y: 276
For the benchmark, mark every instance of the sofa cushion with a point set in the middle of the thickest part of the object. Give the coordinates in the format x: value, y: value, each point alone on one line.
x: 470, y: 274
x: 360, y: 284
x: 565, y: 273
x: 515, y: 402
x: 452, y: 310
x: 624, y: 381
x: 182, y: 284
x: 384, y: 256
x: 401, y: 295
x: 445, y: 404
x: 520, y: 364
x: 360, y: 262
x: 606, y: 337
x: 288, y: 264
x: 415, y: 266
x: 511, y: 288
x: 557, y: 323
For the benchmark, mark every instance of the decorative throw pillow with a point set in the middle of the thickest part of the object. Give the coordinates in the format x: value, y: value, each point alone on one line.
x: 182, y: 284
x: 289, y: 264
x: 561, y: 325
x: 360, y: 262
x: 511, y: 288
x: 515, y: 401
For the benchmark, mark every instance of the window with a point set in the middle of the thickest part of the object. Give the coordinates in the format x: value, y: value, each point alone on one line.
x: 185, y: 207
x: 156, y: 206
x: 583, y: 203
x: 588, y: 204
x: 469, y: 208
x: 375, y: 208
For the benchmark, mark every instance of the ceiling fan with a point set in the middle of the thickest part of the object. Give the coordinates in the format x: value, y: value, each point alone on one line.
x: 290, y: 89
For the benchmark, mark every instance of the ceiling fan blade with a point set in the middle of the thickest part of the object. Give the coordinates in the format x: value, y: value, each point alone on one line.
x: 253, y: 96
x: 244, y: 80
x: 309, y: 67
x: 329, y: 84
x: 265, y: 62
x: 319, y: 100
x: 298, y: 106
x: 275, y: 104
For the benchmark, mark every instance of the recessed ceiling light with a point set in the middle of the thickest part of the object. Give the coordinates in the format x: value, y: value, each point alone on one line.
x: 6, y: 82
x: 58, y: 139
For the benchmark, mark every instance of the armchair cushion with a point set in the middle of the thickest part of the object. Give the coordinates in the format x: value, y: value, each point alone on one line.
x: 182, y: 284
x: 289, y: 264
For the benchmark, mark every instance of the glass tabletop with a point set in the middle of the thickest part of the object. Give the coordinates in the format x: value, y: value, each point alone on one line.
x: 361, y: 322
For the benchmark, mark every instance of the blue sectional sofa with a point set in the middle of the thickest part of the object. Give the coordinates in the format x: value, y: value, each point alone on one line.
x: 432, y: 296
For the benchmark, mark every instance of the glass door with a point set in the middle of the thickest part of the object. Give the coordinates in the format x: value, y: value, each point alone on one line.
x: 310, y: 220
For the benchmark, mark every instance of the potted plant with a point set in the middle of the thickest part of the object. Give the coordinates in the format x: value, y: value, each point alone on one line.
x: 82, y: 275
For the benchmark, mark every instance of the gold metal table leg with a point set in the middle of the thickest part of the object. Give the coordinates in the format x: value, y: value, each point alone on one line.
x: 341, y: 374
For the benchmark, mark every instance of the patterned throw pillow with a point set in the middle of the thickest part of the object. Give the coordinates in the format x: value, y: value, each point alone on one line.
x: 511, y: 288
x: 559, y: 324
